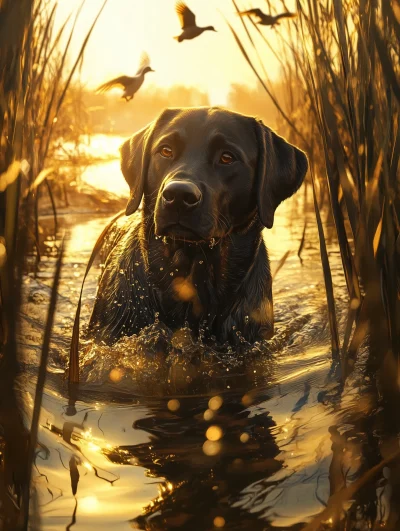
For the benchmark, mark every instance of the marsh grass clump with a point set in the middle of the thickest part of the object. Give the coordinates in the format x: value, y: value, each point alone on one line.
x: 34, y: 82
x: 341, y: 63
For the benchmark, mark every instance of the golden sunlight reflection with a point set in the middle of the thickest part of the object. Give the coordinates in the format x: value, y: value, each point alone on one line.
x: 106, y: 176
x: 94, y: 447
x: 89, y: 504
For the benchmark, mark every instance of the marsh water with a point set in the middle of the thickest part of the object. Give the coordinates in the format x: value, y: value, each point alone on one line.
x: 165, y: 432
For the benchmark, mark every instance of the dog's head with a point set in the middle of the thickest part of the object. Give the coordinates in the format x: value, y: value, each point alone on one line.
x: 206, y: 172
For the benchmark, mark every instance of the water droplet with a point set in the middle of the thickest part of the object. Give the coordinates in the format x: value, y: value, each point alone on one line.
x: 161, y: 269
x: 246, y: 319
x: 201, y: 261
x: 122, y: 272
x: 172, y: 274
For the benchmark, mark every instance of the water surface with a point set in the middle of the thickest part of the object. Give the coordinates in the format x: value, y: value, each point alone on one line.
x: 200, y: 438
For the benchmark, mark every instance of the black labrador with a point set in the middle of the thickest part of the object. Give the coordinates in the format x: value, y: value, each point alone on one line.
x: 211, y: 180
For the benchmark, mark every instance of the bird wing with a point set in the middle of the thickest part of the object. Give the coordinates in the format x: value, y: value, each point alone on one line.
x: 144, y: 61
x: 286, y: 15
x: 121, y: 81
x: 254, y: 11
x: 186, y: 17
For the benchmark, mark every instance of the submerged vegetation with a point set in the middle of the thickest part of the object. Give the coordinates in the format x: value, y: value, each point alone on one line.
x: 339, y: 100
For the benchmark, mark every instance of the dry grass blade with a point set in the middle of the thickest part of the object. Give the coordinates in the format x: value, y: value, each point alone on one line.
x: 73, y: 370
x: 302, y: 241
x: 372, y: 184
x: 61, y: 65
x: 386, y: 63
x: 378, y: 232
x: 250, y: 63
x: 281, y: 263
x: 328, y: 280
x: 39, y: 179
x: 79, y: 57
x: 49, y: 49
x: 250, y: 39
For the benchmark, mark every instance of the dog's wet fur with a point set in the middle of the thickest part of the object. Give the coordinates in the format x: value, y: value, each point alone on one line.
x: 210, y: 180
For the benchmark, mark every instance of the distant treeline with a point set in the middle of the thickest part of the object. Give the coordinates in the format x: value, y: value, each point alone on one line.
x: 108, y: 113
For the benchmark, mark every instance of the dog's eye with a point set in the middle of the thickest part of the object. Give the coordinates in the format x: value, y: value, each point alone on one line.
x: 166, y: 152
x: 226, y: 158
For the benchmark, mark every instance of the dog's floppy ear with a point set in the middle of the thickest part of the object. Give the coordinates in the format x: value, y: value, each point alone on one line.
x: 280, y: 172
x: 135, y: 158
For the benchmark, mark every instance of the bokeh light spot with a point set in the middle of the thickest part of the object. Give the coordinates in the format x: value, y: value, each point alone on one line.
x: 211, y: 448
x: 215, y: 403
x: 219, y: 521
x: 174, y: 404
x: 244, y: 437
x: 116, y: 375
x: 208, y: 414
x: 214, y: 433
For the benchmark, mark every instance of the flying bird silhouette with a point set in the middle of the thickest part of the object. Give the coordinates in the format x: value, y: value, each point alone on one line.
x: 188, y: 23
x: 266, y: 20
x: 130, y: 84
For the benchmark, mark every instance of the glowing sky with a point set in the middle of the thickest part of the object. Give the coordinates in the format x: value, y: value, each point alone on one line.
x: 126, y: 27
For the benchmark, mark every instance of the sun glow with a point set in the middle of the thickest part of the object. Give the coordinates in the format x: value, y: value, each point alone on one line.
x: 211, y: 62
x: 89, y: 504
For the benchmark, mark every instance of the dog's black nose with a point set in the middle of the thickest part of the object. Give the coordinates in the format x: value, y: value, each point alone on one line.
x: 182, y: 195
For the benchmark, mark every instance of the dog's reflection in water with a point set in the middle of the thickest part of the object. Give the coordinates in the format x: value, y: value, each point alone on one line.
x: 205, y: 451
